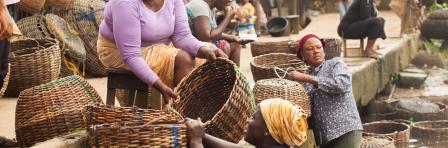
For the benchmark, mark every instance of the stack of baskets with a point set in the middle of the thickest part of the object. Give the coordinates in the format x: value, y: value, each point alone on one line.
x: 400, y: 113
x: 134, y: 127
x: 377, y: 142
x: 86, y: 16
x: 261, y: 48
x: 333, y: 47
x: 5, y: 81
x: 31, y: 6
x: 52, y: 109
x: 398, y: 131
x: 263, y: 67
x: 33, y: 62
x: 223, y: 95
x: 285, y: 89
x: 430, y: 130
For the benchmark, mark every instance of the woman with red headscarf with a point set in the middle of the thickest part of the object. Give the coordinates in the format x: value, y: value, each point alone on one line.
x: 335, y: 119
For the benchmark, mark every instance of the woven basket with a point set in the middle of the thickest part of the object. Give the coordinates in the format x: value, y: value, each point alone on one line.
x: 219, y: 94
x: 333, y: 47
x: 406, y: 114
x: 263, y: 66
x: 111, y: 126
x: 52, y: 109
x: 430, y: 130
x: 59, y: 3
x: 33, y: 62
x: 5, y: 81
x: 285, y: 89
x: 31, y: 6
x: 377, y: 142
x: 86, y: 16
x: 398, y: 131
x: 261, y: 48
x: 34, y: 27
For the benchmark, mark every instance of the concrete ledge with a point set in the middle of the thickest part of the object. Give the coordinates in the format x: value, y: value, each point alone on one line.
x: 370, y: 76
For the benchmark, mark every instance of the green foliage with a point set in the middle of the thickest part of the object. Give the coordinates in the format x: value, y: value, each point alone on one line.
x: 411, y: 121
x: 436, y: 6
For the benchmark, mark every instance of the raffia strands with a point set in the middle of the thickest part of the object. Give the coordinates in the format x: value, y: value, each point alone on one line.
x: 219, y: 94
x: 52, y: 109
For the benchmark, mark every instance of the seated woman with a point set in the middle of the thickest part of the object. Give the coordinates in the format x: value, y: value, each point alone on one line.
x: 275, y: 123
x: 145, y: 36
x: 335, y: 119
x: 361, y: 21
x: 203, y: 25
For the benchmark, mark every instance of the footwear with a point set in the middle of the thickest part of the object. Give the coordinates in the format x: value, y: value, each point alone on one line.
x: 5, y: 142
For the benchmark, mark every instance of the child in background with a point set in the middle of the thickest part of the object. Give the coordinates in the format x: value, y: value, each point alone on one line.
x: 245, y: 14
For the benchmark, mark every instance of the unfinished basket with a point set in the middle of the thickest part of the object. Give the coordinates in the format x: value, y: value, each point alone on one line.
x: 31, y: 6
x: 333, y: 47
x: 5, y: 81
x: 284, y: 89
x: 398, y: 131
x: 52, y: 109
x: 86, y: 16
x: 33, y: 62
x: 377, y: 142
x: 138, y: 134
x: 442, y: 114
x: 34, y: 27
x: 261, y: 48
x: 219, y: 94
x: 59, y: 3
x: 263, y: 66
x: 111, y: 126
x: 430, y: 130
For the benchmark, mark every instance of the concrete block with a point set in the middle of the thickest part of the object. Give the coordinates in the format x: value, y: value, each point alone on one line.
x: 408, y: 79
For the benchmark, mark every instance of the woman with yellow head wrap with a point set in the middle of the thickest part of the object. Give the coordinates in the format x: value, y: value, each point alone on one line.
x: 275, y: 123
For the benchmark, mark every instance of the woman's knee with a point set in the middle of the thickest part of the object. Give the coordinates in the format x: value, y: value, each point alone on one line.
x: 183, y: 58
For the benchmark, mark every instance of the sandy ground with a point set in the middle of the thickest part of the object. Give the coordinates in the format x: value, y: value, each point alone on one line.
x: 323, y: 25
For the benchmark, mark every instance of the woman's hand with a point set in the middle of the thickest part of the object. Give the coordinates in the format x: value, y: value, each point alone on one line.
x: 166, y: 91
x: 230, y: 12
x: 301, y: 77
x: 195, y: 132
x: 210, y: 53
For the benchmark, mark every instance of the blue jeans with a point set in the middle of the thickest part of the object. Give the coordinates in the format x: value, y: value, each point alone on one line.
x: 343, y: 7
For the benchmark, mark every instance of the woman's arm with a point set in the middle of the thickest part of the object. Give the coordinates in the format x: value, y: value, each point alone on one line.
x: 182, y: 37
x: 204, y: 30
x: 211, y: 141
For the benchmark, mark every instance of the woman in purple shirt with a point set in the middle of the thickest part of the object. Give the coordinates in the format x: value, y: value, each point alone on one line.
x: 145, y: 36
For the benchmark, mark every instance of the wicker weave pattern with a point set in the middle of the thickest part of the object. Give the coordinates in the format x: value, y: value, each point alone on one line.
x: 261, y: 48
x: 86, y: 16
x: 398, y: 131
x: 139, y: 135
x: 263, y: 66
x: 34, y: 27
x: 52, y: 109
x: 377, y: 142
x: 285, y: 89
x: 59, y: 3
x: 332, y: 48
x: 31, y: 6
x: 5, y: 81
x: 33, y: 62
x: 219, y: 94
x: 432, y: 130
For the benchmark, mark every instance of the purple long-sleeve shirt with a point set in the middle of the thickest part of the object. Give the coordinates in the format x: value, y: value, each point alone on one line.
x: 132, y: 25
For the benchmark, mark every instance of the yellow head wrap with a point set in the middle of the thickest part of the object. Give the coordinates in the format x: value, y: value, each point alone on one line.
x: 285, y: 121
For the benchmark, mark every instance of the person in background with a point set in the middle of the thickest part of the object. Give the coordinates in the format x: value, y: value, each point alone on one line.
x: 361, y: 21
x: 152, y: 39
x: 335, y: 119
x: 204, y: 27
x: 245, y: 12
x: 276, y: 123
x: 343, y: 6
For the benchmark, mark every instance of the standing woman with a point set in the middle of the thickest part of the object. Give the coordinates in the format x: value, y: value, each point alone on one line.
x: 361, y: 21
x: 152, y: 39
x: 335, y: 119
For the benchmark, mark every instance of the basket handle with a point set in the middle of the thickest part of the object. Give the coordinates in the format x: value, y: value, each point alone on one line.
x: 284, y: 71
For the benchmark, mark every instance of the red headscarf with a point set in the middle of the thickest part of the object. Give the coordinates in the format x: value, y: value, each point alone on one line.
x: 301, y: 42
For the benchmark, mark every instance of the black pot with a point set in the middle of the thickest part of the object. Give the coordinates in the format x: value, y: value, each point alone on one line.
x: 278, y: 26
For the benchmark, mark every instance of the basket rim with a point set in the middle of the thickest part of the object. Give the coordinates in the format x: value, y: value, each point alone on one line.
x: 386, y: 122
x: 252, y: 61
x: 442, y: 106
x: 421, y: 123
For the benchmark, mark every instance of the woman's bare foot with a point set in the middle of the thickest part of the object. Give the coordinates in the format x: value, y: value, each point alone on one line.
x: 371, y: 54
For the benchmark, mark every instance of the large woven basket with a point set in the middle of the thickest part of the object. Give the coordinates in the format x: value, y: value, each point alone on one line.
x: 5, y: 81
x: 59, y: 3
x: 398, y: 131
x: 285, y: 89
x: 333, y: 47
x: 430, y: 130
x: 52, y: 109
x: 263, y: 67
x: 261, y: 48
x: 377, y: 142
x: 33, y: 62
x: 417, y: 116
x: 31, y: 6
x: 34, y: 27
x: 219, y: 94
x: 111, y: 126
x: 86, y: 16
